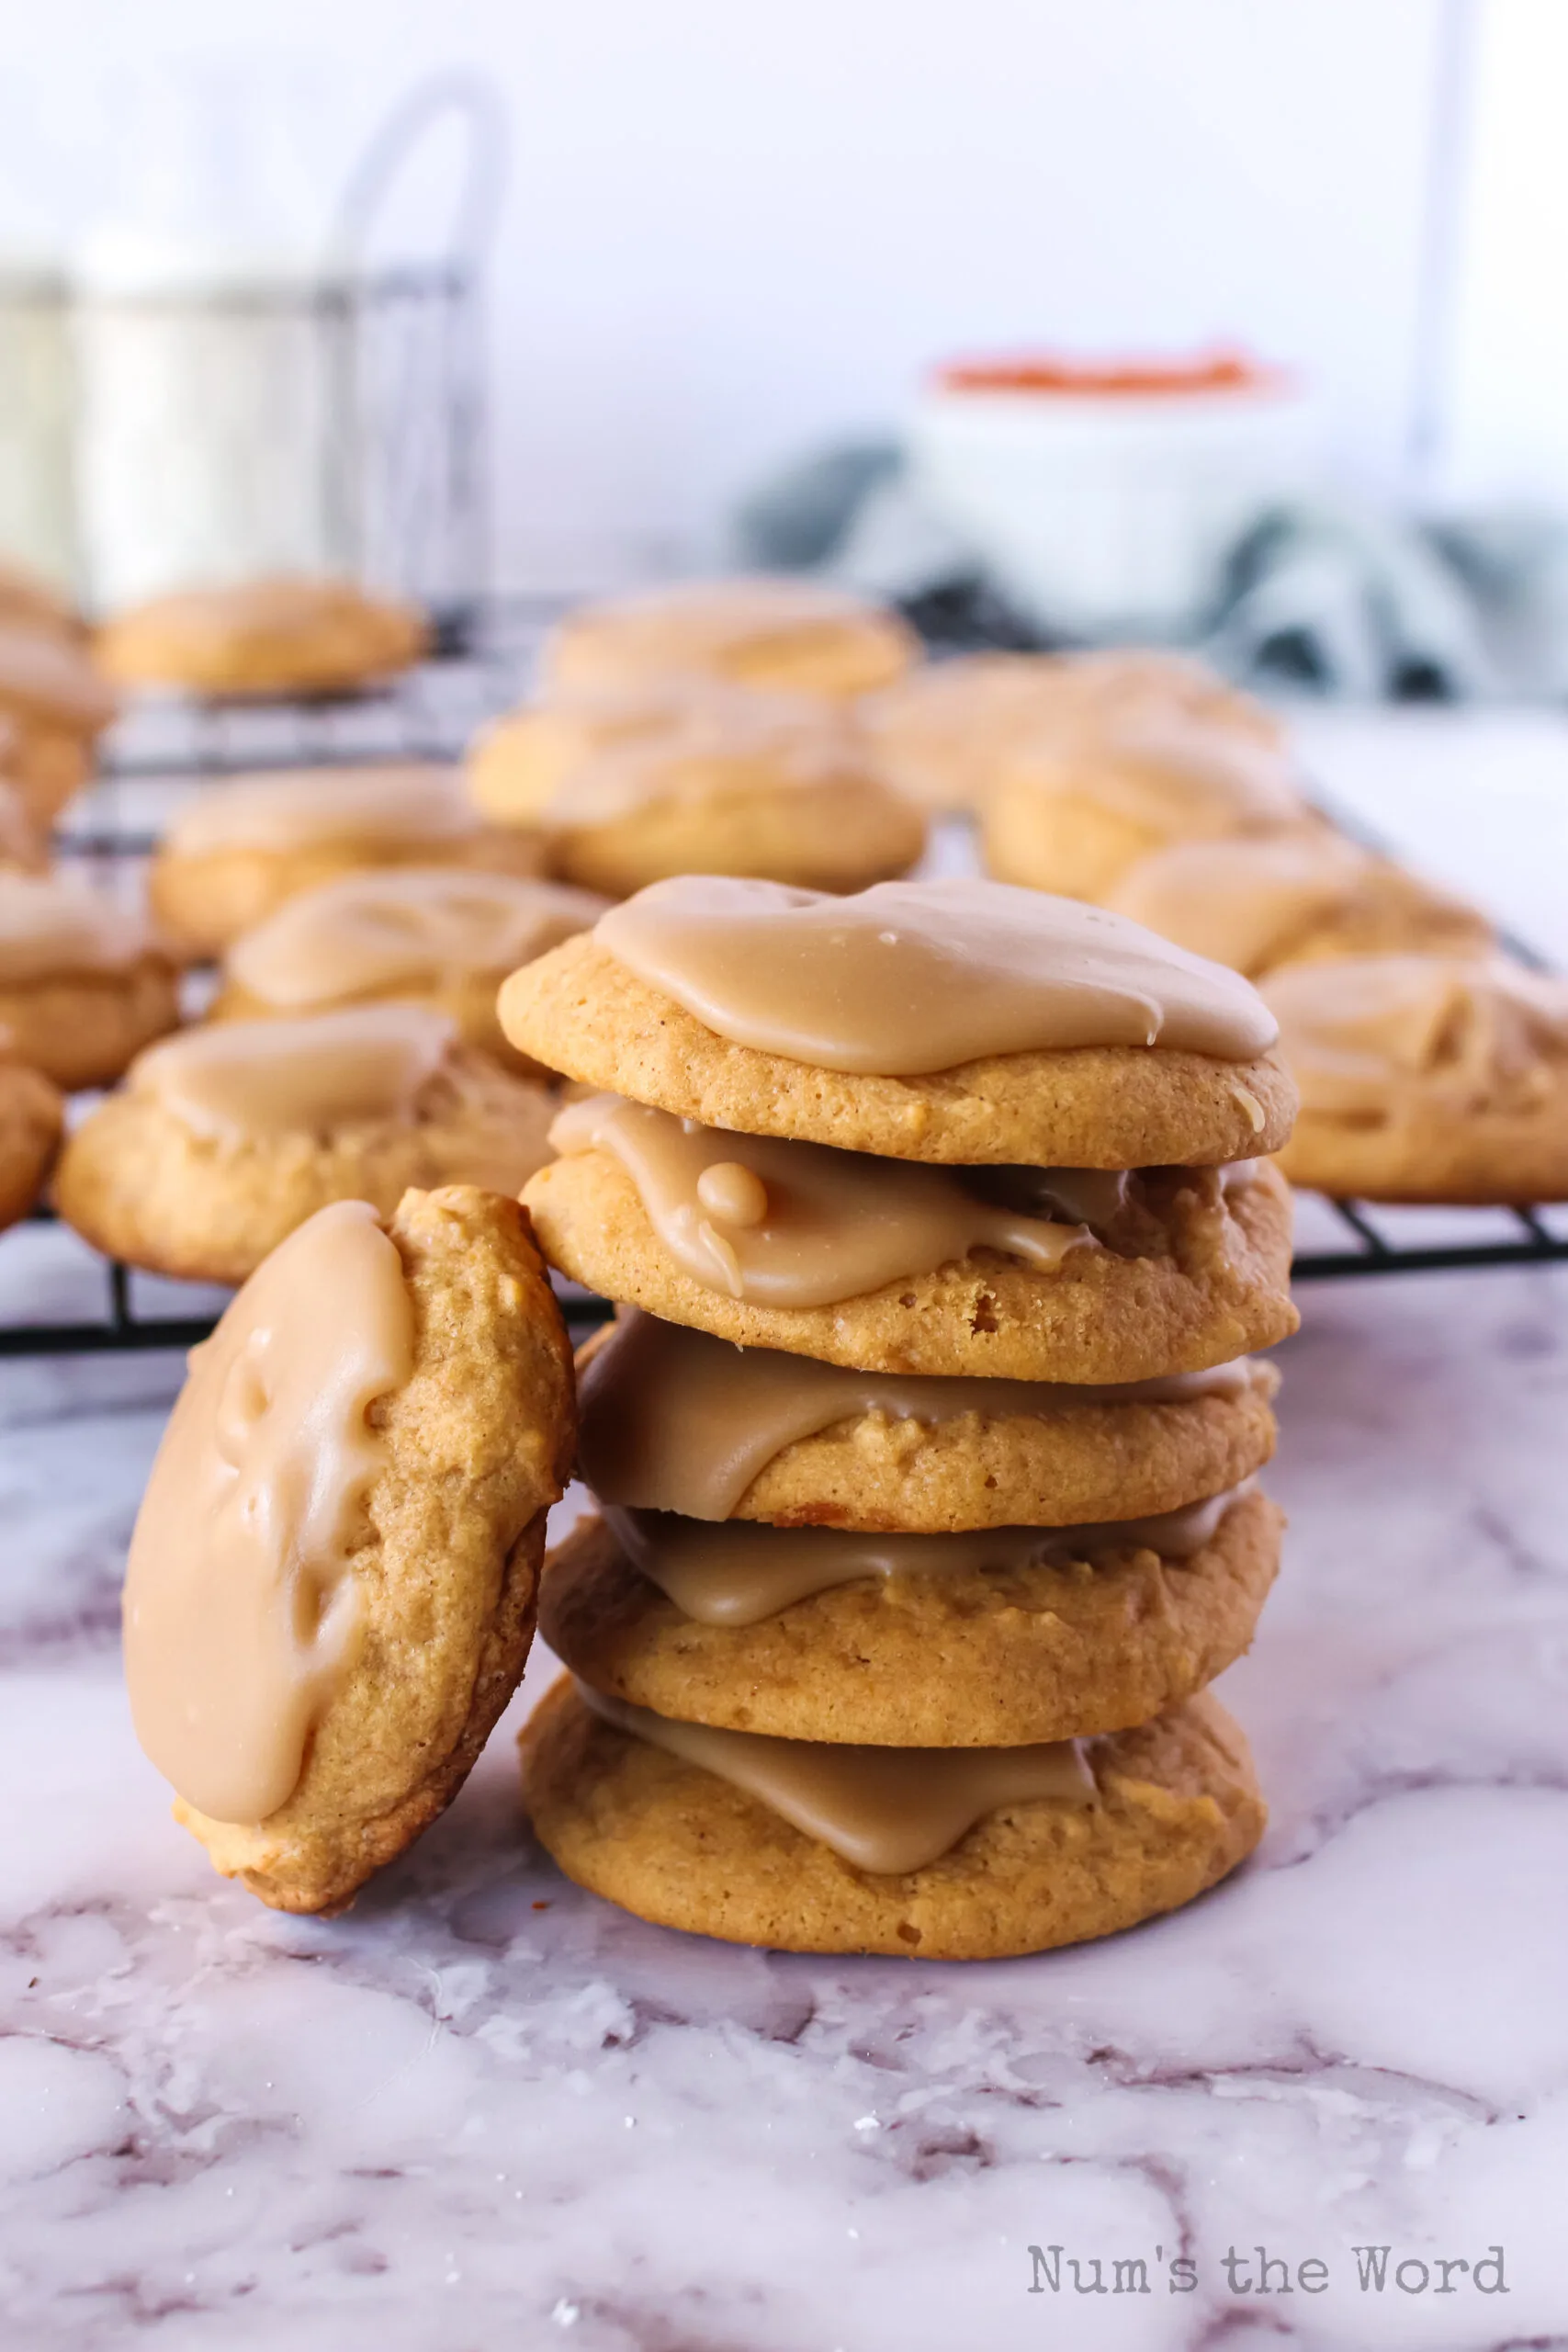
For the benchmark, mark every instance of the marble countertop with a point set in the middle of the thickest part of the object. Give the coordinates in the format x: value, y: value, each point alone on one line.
x: 483, y: 2109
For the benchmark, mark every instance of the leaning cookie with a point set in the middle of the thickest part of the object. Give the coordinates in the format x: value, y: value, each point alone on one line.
x: 1303, y: 897
x: 1426, y: 1079
x: 82, y: 989
x: 225, y: 1139
x: 1127, y: 1826
x: 778, y: 634
x: 900, y: 1021
x: 672, y: 1421
x: 994, y: 1639
x: 442, y: 936
x: 30, y: 1121
x: 886, y: 1266
x: 746, y: 785
x: 238, y: 852
x: 332, y: 1583
x: 264, y: 639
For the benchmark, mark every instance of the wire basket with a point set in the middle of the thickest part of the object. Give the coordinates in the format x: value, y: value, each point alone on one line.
x: 325, y: 415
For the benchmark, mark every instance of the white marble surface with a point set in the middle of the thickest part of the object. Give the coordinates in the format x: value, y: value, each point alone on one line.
x: 486, y: 2111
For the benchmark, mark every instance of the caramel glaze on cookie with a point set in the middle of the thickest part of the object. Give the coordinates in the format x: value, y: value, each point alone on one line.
x: 580, y: 1010
x: 233, y: 1135
x: 988, y: 1655
x: 1206, y: 1278
x: 1176, y: 1806
x: 675, y: 1420
x: 404, y: 1459
x: 237, y: 853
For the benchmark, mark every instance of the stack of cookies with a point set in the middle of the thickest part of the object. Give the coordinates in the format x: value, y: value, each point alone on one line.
x: 942, y: 1228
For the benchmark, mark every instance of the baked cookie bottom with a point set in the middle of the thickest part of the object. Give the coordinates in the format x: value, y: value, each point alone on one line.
x: 842, y: 835
x: 1436, y: 1155
x: 1179, y: 1807
x: 85, y: 1028
x: 479, y: 1440
x: 582, y: 1011
x: 203, y: 903
x: 1219, y: 1290
x: 30, y: 1119
x: 954, y: 1658
x: 142, y: 1187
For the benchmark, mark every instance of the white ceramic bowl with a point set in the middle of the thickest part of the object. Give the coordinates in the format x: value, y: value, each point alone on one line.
x: 1110, y: 514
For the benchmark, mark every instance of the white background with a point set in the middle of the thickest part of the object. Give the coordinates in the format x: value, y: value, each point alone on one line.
x: 731, y: 232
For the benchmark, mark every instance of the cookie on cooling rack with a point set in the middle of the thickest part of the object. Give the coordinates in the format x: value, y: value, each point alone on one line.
x: 226, y: 1138
x: 1426, y: 1079
x: 239, y: 850
x: 83, y: 988
x: 265, y: 639
x: 442, y: 936
x: 782, y: 634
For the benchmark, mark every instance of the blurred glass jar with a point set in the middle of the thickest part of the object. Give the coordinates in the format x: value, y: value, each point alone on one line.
x: 37, y: 400
x: 1104, y: 499
x: 216, y: 417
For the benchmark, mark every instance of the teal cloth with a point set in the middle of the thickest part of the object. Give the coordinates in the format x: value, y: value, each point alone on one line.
x: 1342, y: 597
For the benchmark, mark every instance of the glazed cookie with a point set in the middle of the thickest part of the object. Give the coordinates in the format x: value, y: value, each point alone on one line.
x: 945, y: 730
x: 264, y: 639
x: 522, y: 763
x: 994, y: 1639
x: 57, y: 705
x: 240, y: 850
x: 332, y: 1583
x: 783, y: 634
x: 1033, y: 1848
x: 1081, y: 799
x: 673, y: 1420
x: 946, y: 1021
x: 228, y: 1137
x: 1426, y: 1079
x: 442, y: 936
x: 1150, y: 679
x: 1298, y: 898
x: 1180, y: 1269
x: 82, y: 988
x: 30, y: 1117
x: 745, y: 785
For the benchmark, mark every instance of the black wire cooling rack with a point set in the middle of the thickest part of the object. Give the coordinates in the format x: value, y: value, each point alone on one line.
x: 96, y: 1306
